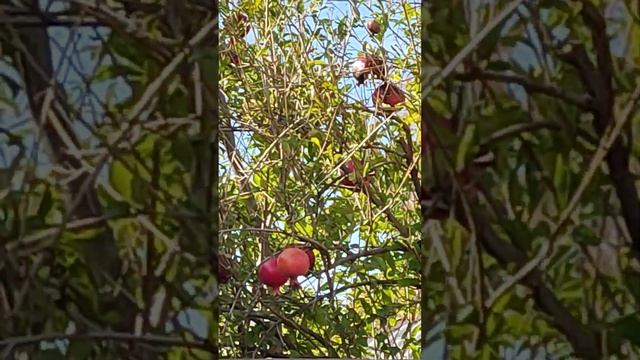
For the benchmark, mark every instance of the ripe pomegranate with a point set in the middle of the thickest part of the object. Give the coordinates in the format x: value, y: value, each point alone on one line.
x: 377, y: 66
x: 389, y: 94
x: 312, y: 258
x: 365, y: 65
x: 373, y: 27
x: 359, y: 70
x: 269, y: 275
x: 348, y: 168
x: 293, y: 261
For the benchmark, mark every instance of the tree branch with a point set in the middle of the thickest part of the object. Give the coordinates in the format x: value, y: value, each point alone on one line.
x: 527, y: 84
x: 598, y: 81
x: 584, y: 341
x: 14, y: 342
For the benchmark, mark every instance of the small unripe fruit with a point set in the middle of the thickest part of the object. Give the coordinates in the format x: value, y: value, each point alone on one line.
x: 373, y: 27
x: 350, y: 166
x: 356, y: 186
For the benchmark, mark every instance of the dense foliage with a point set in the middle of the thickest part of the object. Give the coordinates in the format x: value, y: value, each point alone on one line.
x: 541, y: 244
x: 291, y: 116
x: 106, y: 181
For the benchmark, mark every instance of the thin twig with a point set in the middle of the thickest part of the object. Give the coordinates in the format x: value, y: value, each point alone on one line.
x: 105, y: 336
x: 470, y: 47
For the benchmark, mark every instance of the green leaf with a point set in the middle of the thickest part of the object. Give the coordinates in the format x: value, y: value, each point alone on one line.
x: 79, y: 350
x: 627, y: 327
x: 632, y: 282
x: 45, y: 204
x: 584, y: 235
x: 83, y: 234
x: 561, y: 181
x: 315, y: 140
x: 465, y: 146
x: 140, y: 190
x: 121, y: 179
x: 117, y: 209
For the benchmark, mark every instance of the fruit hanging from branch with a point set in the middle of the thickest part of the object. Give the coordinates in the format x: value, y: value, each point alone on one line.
x: 373, y: 27
x: 347, y: 169
x: 293, y: 262
x: 312, y: 258
x: 367, y: 65
x: 388, y: 94
x: 269, y: 275
x: 348, y: 180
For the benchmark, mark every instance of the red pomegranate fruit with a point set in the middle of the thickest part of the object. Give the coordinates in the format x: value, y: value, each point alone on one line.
x: 376, y: 66
x: 230, y: 54
x: 269, y: 275
x: 356, y: 186
x: 373, y: 27
x: 293, y: 261
x: 347, y: 169
x: 365, y: 65
x: 312, y: 258
x: 234, y: 58
x: 350, y: 166
x: 389, y: 94
x: 359, y: 70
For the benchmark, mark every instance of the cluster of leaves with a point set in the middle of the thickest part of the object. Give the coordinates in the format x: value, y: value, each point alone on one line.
x: 106, y: 191
x: 291, y: 115
x: 538, y: 92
